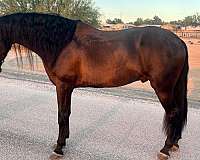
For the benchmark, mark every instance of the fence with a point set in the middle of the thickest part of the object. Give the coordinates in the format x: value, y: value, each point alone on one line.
x: 188, y: 34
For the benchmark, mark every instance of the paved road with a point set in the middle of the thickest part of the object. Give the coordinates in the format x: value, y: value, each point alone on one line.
x: 103, y: 127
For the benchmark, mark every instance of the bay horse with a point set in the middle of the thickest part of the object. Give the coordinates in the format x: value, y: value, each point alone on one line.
x: 75, y: 55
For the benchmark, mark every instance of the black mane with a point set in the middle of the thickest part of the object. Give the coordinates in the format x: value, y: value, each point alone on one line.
x: 47, y: 32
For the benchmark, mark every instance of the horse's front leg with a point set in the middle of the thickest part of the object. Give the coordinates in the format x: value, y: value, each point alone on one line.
x: 64, y: 92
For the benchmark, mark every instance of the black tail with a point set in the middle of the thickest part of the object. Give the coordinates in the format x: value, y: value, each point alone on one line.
x: 180, y: 101
x: 182, y: 87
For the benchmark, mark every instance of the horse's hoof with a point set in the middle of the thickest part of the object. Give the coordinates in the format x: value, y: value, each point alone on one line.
x: 56, y: 156
x: 162, y: 156
x: 54, y: 146
x: 175, y: 148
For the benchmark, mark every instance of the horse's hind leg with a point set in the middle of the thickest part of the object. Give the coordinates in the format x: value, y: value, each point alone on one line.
x: 166, y: 99
x: 180, y: 99
x: 172, y: 128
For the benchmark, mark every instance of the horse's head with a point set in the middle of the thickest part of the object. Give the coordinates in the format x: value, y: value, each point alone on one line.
x: 4, y: 49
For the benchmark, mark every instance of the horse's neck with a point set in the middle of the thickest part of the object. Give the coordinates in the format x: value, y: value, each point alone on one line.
x: 12, y: 31
x: 36, y: 33
x: 46, y: 35
x: 22, y: 35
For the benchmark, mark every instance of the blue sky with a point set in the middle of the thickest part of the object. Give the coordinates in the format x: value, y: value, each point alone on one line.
x: 130, y: 10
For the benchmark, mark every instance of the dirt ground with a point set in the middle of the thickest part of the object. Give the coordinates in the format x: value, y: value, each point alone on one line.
x: 194, y: 73
x: 194, y: 62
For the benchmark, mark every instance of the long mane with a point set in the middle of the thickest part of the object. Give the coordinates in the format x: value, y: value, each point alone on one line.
x: 49, y: 33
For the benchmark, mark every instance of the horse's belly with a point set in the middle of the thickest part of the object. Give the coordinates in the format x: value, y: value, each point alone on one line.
x: 108, y: 78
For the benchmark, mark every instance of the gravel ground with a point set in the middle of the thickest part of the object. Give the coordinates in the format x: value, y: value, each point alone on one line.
x: 103, y: 126
x: 124, y: 91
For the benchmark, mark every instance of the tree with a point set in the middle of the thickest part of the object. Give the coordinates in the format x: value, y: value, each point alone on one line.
x: 156, y: 20
x: 109, y: 21
x: 117, y: 21
x: 130, y: 23
x: 139, y: 21
x: 114, y: 21
x: 148, y: 21
x: 178, y: 23
x: 196, y: 20
x: 188, y: 21
x: 193, y: 20
x: 75, y: 9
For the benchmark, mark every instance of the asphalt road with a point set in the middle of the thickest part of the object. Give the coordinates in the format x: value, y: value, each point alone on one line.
x: 103, y: 127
